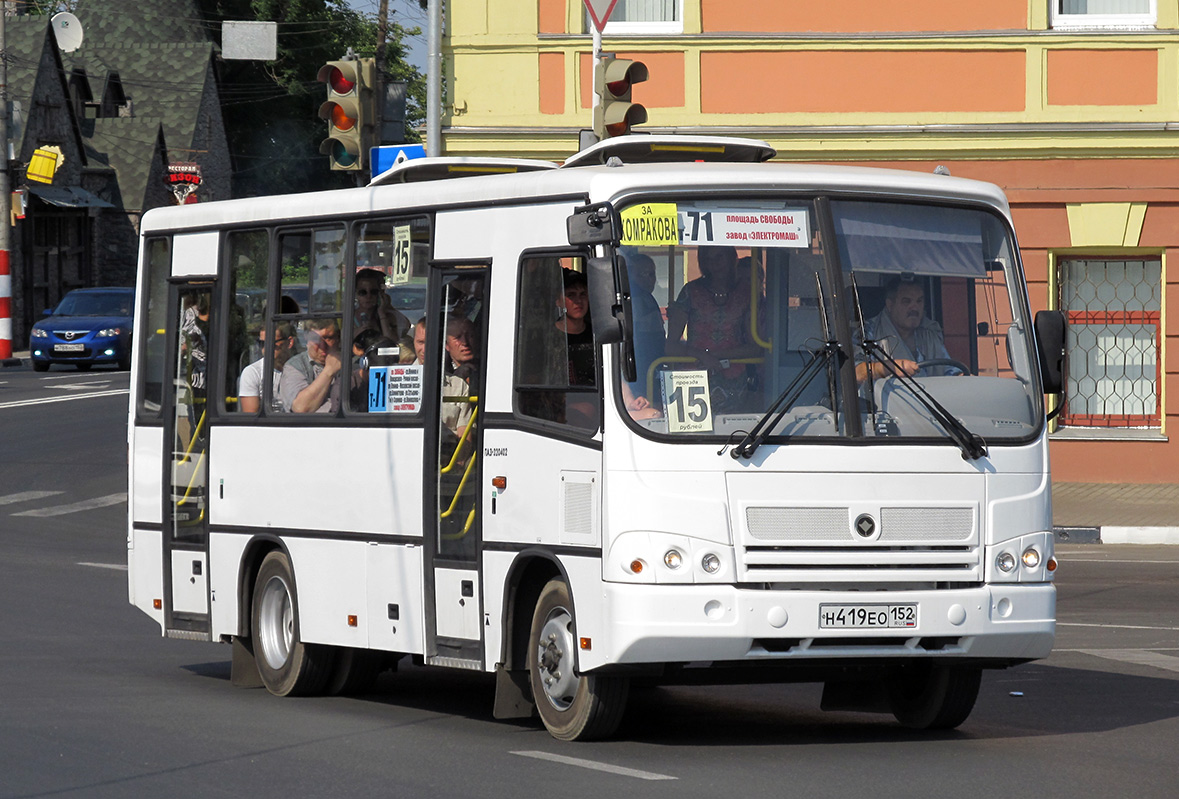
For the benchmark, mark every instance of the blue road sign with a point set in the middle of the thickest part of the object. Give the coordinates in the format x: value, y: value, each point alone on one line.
x: 388, y: 156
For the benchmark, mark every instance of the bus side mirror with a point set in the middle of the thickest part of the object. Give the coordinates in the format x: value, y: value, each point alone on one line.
x: 593, y: 224
x: 1050, y: 330
x: 609, y: 298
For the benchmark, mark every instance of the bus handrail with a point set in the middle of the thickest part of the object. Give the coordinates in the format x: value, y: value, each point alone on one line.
x: 196, y: 434
x: 463, y: 438
x: 458, y: 491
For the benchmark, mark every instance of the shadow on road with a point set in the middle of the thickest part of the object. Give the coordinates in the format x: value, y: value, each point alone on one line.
x: 1029, y: 701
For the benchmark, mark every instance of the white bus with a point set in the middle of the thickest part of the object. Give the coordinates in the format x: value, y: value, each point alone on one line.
x: 806, y: 439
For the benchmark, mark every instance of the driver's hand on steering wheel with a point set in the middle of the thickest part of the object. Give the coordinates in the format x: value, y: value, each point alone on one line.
x: 906, y: 366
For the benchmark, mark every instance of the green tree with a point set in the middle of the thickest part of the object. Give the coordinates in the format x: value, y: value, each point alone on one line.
x: 270, y: 108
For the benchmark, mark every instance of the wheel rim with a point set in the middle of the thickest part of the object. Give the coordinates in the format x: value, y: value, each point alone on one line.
x: 554, y: 659
x: 276, y: 623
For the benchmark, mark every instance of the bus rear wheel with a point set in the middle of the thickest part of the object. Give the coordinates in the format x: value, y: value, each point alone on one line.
x: 573, y: 707
x: 928, y: 697
x: 287, y: 665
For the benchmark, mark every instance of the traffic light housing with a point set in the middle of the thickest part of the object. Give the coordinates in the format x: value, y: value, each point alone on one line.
x: 614, y: 113
x: 349, y: 111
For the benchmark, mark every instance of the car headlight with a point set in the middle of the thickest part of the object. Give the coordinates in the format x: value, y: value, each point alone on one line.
x: 39, y: 333
x: 109, y: 332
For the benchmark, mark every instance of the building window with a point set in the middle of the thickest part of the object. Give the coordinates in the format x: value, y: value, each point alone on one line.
x: 1112, y: 359
x: 1121, y: 14
x: 644, y: 17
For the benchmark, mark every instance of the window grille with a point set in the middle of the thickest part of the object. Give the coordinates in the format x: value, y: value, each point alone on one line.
x: 1112, y: 351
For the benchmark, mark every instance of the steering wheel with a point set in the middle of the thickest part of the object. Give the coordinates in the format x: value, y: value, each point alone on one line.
x: 932, y: 362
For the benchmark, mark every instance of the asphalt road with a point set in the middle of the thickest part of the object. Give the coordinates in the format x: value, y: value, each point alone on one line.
x: 94, y: 703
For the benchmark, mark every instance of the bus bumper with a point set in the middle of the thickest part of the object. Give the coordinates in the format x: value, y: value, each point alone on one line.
x: 678, y: 624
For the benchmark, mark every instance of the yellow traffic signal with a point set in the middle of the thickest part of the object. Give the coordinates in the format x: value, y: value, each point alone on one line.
x: 349, y: 111
x: 614, y: 113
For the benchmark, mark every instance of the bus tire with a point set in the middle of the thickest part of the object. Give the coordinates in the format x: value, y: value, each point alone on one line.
x: 573, y: 707
x: 287, y: 666
x: 928, y: 697
x: 355, y: 671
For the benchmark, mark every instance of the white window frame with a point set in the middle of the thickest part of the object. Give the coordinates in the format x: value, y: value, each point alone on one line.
x: 624, y: 28
x: 1062, y: 21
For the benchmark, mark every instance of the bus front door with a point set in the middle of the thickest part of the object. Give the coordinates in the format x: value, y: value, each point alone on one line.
x: 456, y: 332
x: 186, y: 462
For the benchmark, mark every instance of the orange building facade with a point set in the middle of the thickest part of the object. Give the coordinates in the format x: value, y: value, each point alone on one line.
x: 1071, y: 106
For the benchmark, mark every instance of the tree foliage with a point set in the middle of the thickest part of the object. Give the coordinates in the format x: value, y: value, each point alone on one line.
x: 270, y: 108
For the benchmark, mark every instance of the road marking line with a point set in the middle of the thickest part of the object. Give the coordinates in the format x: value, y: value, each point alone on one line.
x: 25, y: 496
x: 1116, y: 626
x: 49, y: 400
x: 84, y: 386
x: 595, y: 765
x: 78, y: 376
x: 1138, y: 657
x: 116, y: 566
x: 87, y: 504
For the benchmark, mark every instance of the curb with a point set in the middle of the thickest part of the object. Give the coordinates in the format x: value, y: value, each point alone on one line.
x: 11, y: 362
x: 1146, y: 536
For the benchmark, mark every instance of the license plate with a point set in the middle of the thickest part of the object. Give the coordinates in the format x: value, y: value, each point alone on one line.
x: 867, y: 617
x: 68, y: 347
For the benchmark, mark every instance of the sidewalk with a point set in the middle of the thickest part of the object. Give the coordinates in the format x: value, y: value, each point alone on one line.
x: 1116, y: 513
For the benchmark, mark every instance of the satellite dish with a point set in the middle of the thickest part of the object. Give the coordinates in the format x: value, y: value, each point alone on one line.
x: 67, y: 30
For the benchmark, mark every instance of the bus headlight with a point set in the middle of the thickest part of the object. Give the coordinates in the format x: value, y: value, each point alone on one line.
x: 710, y: 563
x: 673, y: 559
x: 1005, y: 562
x: 1031, y: 558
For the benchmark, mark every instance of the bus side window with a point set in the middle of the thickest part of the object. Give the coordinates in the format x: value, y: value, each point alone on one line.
x: 249, y: 256
x: 153, y: 323
x: 556, y: 360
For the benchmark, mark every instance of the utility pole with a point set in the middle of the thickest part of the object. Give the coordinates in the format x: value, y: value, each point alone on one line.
x: 382, y: 91
x: 5, y: 202
x: 434, y: 81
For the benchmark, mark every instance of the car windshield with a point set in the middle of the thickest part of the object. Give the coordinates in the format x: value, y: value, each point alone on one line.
x: 94, y: 304
x: 744, y: 316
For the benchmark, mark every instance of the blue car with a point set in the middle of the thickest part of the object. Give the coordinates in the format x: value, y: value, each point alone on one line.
x: 88, y: 326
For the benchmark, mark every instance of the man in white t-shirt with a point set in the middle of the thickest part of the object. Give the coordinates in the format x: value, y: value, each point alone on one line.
x: 250, y: 386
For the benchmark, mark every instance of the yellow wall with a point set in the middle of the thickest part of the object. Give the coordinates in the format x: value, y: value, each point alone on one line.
x: 997, y: 83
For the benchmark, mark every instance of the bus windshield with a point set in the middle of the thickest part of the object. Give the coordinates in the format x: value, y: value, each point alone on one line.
x: 746, y: 313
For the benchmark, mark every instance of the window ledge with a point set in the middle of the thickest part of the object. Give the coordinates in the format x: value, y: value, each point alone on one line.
x: 1153, y: 434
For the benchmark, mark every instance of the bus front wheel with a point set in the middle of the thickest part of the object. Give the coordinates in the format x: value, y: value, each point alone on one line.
x: 287, y: 665
x: 929, y: 697
x: 573, y: 706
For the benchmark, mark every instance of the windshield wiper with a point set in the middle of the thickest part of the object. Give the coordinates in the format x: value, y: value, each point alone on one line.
x: 972, y: 445
x: 785, y: 401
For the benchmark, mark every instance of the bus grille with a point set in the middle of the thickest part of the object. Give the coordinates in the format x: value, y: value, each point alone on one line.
x: 822, y: 545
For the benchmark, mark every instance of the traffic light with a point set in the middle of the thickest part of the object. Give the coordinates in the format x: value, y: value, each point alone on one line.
x: 349, y: 110
x: 614, y: 113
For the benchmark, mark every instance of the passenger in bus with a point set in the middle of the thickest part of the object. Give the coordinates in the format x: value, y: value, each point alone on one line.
x: 249, y: 387
x: 714, y: 310
x: 461, y: 348
x: 650, y: 335
x: 905, y: 333
x: 573, y: 321
x: 372, y: 307
x: 582, y: 409
x: 369, y: 348
x: 419, y: 341
x: 311, y: 379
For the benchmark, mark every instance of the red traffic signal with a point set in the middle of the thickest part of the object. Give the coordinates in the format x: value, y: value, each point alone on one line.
x: 614, y: 113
